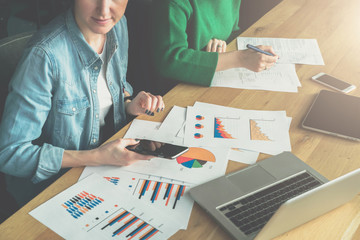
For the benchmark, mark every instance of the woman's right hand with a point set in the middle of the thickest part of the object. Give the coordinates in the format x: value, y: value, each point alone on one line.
x: 112, y: 153
x: 256, y: 61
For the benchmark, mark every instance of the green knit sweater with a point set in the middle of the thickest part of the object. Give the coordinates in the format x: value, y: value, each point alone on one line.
x: 181, y: 31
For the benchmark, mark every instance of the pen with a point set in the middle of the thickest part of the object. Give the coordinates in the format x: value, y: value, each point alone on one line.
x: 258, y: 50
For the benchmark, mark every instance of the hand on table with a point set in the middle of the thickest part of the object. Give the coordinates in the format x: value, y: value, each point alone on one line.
x: 145, y: 103
x: 216, y: 45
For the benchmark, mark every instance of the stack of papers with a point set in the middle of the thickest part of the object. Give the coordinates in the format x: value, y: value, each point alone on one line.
x: 149, y: 199
x: 282, y: 76
x: 94, y: 209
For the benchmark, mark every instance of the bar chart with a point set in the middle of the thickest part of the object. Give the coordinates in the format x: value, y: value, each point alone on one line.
x: 159, y: 193
x: 128, y: 226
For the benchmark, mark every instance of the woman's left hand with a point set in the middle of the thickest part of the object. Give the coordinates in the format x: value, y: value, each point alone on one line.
x: 216, y: 45
x: 145, y: 103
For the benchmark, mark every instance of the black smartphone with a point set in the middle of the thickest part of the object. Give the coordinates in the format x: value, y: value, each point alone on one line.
x: 158, y: 149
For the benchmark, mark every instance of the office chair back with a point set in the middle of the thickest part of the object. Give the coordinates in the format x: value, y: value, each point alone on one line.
x: 11, y: 49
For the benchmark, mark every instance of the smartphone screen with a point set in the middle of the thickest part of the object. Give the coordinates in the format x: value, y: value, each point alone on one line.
x: 333, y: 82
x: 158, y: 149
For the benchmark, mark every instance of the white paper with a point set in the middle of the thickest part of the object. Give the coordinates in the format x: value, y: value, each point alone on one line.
x: 260, y: 131
x: 171, y: 129
x: 168, y: 196
x: 301, y: 51
x: 142, y: 129
x: 243, y: 156
x: 94, y: 209
x: 281, y: 77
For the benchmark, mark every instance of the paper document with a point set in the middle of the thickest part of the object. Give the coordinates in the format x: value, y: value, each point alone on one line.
x: 260, y: 131
x: 95, y: 209
x: 281, y: 77
x: 165, y: 195
x: 300, y: 51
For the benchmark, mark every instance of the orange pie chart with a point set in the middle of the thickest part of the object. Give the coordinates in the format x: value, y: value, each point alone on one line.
x: 195, y: 157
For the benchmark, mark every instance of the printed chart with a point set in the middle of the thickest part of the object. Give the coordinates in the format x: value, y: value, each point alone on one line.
x: 195, y: 158
x: 165, y: 195
x: 105, y: 217
x: 261, y: 129
x: 155, y: 191
x: 225, y: 127
x: 128, y: 226
x: 81, y: 203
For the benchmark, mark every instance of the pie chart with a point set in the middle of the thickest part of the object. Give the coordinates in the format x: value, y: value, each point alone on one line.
x: 195, y: 158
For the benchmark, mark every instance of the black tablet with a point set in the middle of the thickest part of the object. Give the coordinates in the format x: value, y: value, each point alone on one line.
x: 334, y: 113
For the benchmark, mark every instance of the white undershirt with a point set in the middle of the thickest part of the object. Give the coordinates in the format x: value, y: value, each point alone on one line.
x: 105, y: 100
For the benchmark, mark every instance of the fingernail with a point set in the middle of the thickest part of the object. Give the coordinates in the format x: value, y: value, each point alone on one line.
x: 162, y: 109
x: 137, y: 139
x: 158, y: 110
x: 152, y: 114
x: 146, y: 111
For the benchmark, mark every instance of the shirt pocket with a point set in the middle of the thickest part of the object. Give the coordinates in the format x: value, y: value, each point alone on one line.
x: 72, y: 107
x: 71, y: 124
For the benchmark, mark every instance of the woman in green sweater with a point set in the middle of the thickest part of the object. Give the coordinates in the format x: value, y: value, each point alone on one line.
x: 189, y: 41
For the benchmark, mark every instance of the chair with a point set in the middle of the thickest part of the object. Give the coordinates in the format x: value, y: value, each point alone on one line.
x: 11, y: 49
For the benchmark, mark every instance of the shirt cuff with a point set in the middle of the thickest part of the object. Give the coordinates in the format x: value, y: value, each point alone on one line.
x: 49, y: 162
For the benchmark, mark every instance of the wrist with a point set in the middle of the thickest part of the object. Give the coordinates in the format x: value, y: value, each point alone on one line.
x: 80, y: 158
x: 229, y: 60
x: 127, y: 101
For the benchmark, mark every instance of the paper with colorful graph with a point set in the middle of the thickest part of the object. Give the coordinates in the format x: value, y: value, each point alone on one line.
x: 167, y: 195
x: 172, y: 130
x: 213, y: 125
x: 196, y: 166
x: 95, y: 209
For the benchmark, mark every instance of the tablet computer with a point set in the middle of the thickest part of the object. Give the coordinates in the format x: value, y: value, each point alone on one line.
x: 334, y: 113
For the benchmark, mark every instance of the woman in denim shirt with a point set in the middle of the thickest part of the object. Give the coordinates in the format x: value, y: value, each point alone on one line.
x: 72, y: 75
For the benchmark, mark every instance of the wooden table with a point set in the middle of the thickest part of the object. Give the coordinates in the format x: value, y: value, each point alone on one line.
x: 336, y: 26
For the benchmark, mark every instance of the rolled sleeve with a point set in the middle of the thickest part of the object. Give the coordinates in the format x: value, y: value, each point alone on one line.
x: 50, y: 160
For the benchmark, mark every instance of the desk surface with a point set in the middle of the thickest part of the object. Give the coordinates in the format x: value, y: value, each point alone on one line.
x: 336, y: 26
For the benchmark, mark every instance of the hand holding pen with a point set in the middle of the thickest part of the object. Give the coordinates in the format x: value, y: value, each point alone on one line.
x: 263, y: 61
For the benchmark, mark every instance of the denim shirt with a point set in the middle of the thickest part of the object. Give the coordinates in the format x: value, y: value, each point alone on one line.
x: 53, y: 103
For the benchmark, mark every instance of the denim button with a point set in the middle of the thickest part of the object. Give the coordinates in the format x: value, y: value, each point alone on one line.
x: 74, y: 109
x: 96, y: 68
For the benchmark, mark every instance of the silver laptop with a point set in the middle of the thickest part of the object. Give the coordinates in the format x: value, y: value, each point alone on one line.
x: 273, y: 196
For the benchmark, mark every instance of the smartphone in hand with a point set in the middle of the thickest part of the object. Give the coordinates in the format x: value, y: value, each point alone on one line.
x: 158, y: 149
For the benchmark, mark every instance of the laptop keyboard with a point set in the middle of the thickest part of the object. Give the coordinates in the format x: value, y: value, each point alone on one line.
x: 251, y: 213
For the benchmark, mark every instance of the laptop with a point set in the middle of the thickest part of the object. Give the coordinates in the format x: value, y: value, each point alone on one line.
x: 273, y: 196
x: 334, y: 113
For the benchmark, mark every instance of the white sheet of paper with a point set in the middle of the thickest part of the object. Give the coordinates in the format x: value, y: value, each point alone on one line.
x: 301, y: 51
x: 281, y: 77
x: 260, y: 131
x: 243, y: 156
x: 202, y: 165
x: 196, y: 166
x: 177, y: 117
x: 142, y: 129
x: 168, y: 196
x: 95, y: 209
x: 170, y: 129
